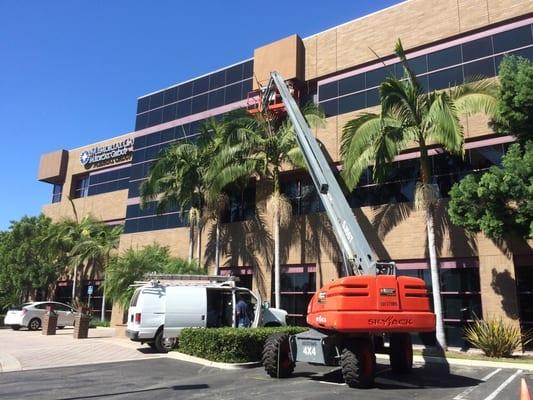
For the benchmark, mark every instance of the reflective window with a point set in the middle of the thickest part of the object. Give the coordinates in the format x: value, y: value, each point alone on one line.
x: 352, y: 102
x: 352, y: 84
x: 185, y: 90
x: 57, y: 192
x: 170, y: 95
x: 200, y: 85
x: 444, y: 58
x: 297, y: 286
x: 216, y: 98
x: 143, y: 104
x: 80, y: 186
x: 217, y: 80
x: 156, y: 100
x: 480, y: 69
x: 512, y: 39
x: 375, y: 77
x: 477, y: 49
x: 199, y: 104
x: 446, y: 78
x: 329, y: 90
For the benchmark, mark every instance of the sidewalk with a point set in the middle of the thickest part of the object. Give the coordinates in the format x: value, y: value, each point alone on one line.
x: 24, y: 350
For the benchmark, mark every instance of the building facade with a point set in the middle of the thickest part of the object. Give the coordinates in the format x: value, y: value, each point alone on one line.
x: 446, y: 43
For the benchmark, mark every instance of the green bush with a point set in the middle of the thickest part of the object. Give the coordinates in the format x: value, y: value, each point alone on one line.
x: 93, y: 323
x: 231, y: 345
x: 496, y: 338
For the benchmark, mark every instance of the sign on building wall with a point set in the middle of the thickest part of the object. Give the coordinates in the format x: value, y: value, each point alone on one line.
x: 108, y: 154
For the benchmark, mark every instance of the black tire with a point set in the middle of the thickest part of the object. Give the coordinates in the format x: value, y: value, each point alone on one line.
x: 358, y: 364
x: 15, y: 327
x: 34, y: 324
x: 401, y: 353
x: 60, y: 327
x: 276, y: 356
x: 162, y: 344
x: 151, y: 344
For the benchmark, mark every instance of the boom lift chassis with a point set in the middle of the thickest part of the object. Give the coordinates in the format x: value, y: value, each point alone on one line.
x: 351, y: 316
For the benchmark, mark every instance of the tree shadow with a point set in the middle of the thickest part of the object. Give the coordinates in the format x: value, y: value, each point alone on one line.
x: 503, y: 284
x: 246, y: 243
x: 511, y: 245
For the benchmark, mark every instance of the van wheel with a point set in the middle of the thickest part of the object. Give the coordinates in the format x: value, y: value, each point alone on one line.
x: 34, y: 324
x: 163, y: 344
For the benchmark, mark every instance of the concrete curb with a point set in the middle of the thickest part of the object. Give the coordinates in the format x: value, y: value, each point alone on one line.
x: 9, y: 363
x: 423, y: 360
x: 202, y: 361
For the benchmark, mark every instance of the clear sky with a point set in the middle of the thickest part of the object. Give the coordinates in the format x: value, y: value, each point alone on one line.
x: 71, y: 70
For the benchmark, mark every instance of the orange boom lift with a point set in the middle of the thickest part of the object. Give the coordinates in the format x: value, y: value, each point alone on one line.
x: 354, y: 316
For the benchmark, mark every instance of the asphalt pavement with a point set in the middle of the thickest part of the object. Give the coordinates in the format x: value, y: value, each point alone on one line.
x: 172, y: 379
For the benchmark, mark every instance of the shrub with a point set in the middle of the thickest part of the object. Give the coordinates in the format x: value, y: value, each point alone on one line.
x: 496, y: 338
x: 231, y: 345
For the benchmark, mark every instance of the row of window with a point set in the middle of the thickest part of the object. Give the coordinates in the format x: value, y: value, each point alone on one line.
x: 446, y: 169
x: 90, y: 185
x: 154, y: 222
x: 360, y: 91
x: 194, y: 105
x: 219, y: 79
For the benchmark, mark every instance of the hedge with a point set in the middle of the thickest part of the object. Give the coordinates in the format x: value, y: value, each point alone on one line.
x: 231, y: 345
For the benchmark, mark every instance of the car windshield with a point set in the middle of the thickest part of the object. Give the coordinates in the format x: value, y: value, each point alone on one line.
x: 19, y: 306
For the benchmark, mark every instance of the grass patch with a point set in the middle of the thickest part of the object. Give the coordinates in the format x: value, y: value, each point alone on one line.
x: 93, y: 323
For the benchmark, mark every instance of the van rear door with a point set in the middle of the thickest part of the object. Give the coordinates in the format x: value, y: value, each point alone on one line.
x: 186, y: 306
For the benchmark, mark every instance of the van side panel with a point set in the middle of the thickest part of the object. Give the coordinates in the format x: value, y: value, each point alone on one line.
x: 186, y: 306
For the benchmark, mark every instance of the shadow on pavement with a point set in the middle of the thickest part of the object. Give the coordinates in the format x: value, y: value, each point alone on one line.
x: 175, y: 387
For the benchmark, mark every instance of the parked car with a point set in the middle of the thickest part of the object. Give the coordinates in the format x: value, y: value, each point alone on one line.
x: 31, y: 315
x: 159, y: 311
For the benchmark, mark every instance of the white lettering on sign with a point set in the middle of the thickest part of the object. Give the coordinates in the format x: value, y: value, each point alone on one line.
x: 108, y: 153
x: 309, y: 350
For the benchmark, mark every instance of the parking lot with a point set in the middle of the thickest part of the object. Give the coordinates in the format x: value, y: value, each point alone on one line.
x: 60, y: 367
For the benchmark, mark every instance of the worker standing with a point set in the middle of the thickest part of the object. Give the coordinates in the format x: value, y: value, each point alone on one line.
x: 243, y: 320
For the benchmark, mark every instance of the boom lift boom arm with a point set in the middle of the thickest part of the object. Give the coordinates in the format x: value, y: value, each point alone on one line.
x: 356, y: 249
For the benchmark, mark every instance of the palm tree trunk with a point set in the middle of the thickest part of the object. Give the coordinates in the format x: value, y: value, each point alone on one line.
x: 217, y: 246
x: 435, y: 282
x: 199, y: 249
x: 276, y: 258
x: 74, y: 279
x: 191, y: 241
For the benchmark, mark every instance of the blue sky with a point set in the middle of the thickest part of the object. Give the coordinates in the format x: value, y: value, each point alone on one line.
x: 71, y: 71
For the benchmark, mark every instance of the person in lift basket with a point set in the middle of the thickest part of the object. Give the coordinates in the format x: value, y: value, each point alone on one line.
x: 243, y: 316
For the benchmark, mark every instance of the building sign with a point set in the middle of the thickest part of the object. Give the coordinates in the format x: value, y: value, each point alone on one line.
x: 109, y: 154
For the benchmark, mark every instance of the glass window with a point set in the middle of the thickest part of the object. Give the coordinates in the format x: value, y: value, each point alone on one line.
x: 418, y: 65
x: 352, y: 102
x: 377, y: 76
x: 480, y: 69
x: 477, y: 49
x: 234, y: 74
x: 170, y: 95
x: 80, y: 184
x: 446, y: 79
x: 330, y: 107
x: 526, y: 53
x: 216, y: 80
x: 141, y: 121
x: 153, y: 138
x: 216, y: 98
x: 57, y: 191
x: 372, y: 97
x: 352, y: 84
x: 155, y: 117
x: 169, y: 112
x: 200, y: 85
x: 461, y: 307
x: 233, y: 93
x: 512, y: 39
x: 459, y: 279
x: 143, y: 104
x: 199, y: 103
x: 184, y: 108
x: 444, y: 58
x: 247, y: 69
x: 297, y: 284
x: 156, y: 100
x: 185, y: 91
x: 246, y: 88
x: 485, y: 157
x: 328, y: 91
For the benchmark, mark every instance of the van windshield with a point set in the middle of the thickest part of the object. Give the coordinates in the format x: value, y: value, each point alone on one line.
x: 134, y: 298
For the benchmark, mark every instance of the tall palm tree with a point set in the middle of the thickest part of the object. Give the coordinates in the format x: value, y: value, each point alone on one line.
x: 94, y: 249
x: 409, y: 115
x: 261, y: 145
x: 179, y: 178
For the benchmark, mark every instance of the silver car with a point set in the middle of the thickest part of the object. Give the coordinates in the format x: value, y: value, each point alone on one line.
x: 31, y: 315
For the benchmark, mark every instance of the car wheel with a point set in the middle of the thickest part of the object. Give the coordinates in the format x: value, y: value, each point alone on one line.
x: 163, y: 344
x: 34, y: 324
x: 15, y: 327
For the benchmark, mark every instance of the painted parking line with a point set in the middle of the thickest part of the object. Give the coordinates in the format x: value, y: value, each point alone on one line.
x: 467, y: 391
x: 503, y: 385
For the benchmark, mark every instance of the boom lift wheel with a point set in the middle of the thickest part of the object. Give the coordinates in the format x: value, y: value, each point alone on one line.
x: 276, y: 356
x: 401, y: 353
x: 358, y: 363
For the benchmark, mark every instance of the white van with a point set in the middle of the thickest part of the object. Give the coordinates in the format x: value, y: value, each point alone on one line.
x: 160, y: 310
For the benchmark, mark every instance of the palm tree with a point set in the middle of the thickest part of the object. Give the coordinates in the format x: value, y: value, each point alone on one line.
x: 179, y: 178
x: 262, y: 145
x: 95, y: 250
x: 408, y: 116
